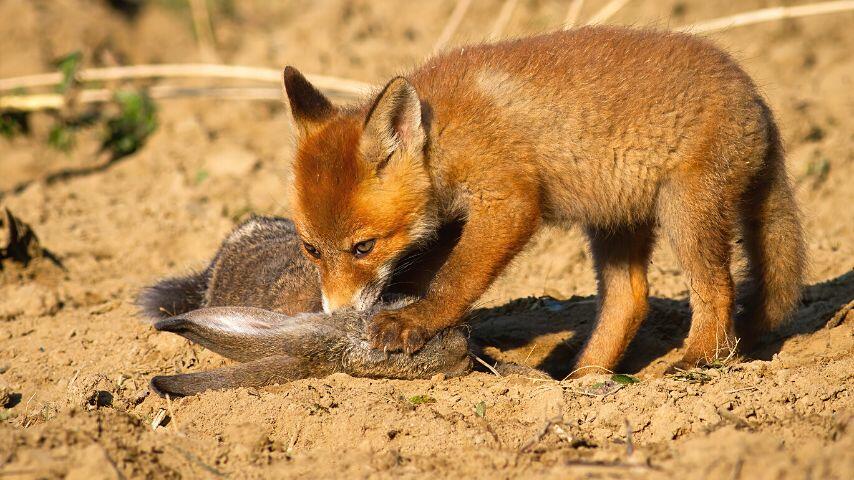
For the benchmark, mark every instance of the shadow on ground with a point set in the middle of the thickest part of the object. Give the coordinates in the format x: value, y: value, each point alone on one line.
x: 548, y: 333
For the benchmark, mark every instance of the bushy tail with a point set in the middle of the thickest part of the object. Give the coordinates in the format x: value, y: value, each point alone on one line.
x: 774, y: 245
x: 173, y: 296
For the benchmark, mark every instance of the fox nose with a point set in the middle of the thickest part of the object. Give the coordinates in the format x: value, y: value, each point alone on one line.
x: 327, y: 307
x: 333, y: 302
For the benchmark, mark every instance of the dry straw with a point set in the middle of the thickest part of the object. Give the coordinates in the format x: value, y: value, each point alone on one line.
x: 453, y: 23
x: 572, y: 14
x: 503, y: 19
x: 185, y: 70
x: 767, y: 15
x: 607, y: 12
x: 340, y: 87
x: 55, y: 101
x: 204, y: 29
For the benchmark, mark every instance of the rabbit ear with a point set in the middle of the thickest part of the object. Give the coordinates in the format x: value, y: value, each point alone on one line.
x: 247, y: 333
x: 258, y: 373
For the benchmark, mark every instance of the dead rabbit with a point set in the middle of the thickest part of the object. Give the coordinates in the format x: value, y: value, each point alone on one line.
x: 258, y: 302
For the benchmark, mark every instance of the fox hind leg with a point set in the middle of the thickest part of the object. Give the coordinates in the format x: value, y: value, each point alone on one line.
x: 697, y: 217
x: 621, y: 260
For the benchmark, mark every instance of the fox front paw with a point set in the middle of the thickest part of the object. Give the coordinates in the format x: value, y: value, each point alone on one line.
x: 393, y: 332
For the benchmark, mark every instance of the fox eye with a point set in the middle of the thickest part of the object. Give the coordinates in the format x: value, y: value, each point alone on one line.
x: 311, y: 249
x: 363, y: 248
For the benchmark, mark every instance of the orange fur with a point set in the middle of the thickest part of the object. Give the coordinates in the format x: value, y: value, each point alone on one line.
x: 622, y: 131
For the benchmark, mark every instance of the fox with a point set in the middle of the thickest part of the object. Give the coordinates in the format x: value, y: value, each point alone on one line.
x: 631, y: 134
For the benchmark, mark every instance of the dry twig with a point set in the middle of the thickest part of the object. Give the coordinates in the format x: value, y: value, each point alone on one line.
x: 327, y: 84
x: 840, y: 316
x: 630, y: 446
x: 572, y: 14
x: 584, y: 368
x: 204, y: 29
x: 197, y: 461
x: 504, y: 16
x: 55, y: 101
x: 542, y: 432
x: 453, y: 23
x: 159, y: 417
x: 490, y: 367
x: 767, y: 15
x: 333, y: 85
x: 745, y: 389
x: 607, y: 12
x: 294, y: 438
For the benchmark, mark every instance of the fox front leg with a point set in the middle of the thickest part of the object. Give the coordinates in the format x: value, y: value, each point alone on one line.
x: 498, y: 226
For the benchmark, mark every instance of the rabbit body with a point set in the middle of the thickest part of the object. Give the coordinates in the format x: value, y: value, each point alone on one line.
x: 258, y: 302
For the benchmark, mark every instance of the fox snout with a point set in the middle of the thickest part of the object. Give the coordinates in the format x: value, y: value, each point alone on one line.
x: 336, y: 295
x: 338, y: 300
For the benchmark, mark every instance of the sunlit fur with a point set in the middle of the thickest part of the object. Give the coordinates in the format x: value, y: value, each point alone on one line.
x: 340, y: 199
x: 630, y: 134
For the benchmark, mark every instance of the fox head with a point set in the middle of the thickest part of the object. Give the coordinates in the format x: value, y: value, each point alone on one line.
x: 362, y: 194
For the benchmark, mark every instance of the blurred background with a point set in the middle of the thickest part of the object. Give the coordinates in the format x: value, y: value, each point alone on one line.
x: 116, y: 173
x: 152, y: 171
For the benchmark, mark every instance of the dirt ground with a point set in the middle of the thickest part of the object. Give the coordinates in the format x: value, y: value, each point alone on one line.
x: 75, y: 360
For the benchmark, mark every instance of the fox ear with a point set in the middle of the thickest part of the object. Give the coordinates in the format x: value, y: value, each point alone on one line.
x: 394, y: 121
x: 309, y: 107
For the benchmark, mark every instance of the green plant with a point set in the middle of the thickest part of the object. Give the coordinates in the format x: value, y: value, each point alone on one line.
x: 691, y: 376
x: 136, y: 120
x: 68, y: 66
x: 421, y: 399
x: 819, y: 169
x: 14, y: 123
x: 624, y: 379
x: 201, y: 176
x: 61, y: 136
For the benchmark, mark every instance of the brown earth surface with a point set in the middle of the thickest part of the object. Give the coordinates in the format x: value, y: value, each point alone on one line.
x: 75, y: 360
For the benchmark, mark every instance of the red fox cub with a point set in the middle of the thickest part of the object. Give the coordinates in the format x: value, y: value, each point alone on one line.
x: 627, y: 132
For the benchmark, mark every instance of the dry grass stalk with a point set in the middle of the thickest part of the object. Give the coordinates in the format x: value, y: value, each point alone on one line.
x: 341, y: 87
x: 453, y: 23
x: 504, y: 16
x: 572, y: 14
x: 158, y: 418
x: 555, y: 424
x: 584, y: 368
x: 607, y: 12
x: 745, y: 389
x: 490, y: 367
x: 203, y: 28
x: 840, y: 316
x: 630, y: 446
x: 293, y: 441
x: 55, y: 101
x: 198, y: 462
x: 189, y: 70
x: 767, y: 15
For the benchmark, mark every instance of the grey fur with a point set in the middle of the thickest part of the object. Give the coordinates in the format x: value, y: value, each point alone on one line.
x: 258, y: 302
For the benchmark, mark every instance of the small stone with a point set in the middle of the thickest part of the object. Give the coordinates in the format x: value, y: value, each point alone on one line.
x: 5, y: 394
x: 91, y: 392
